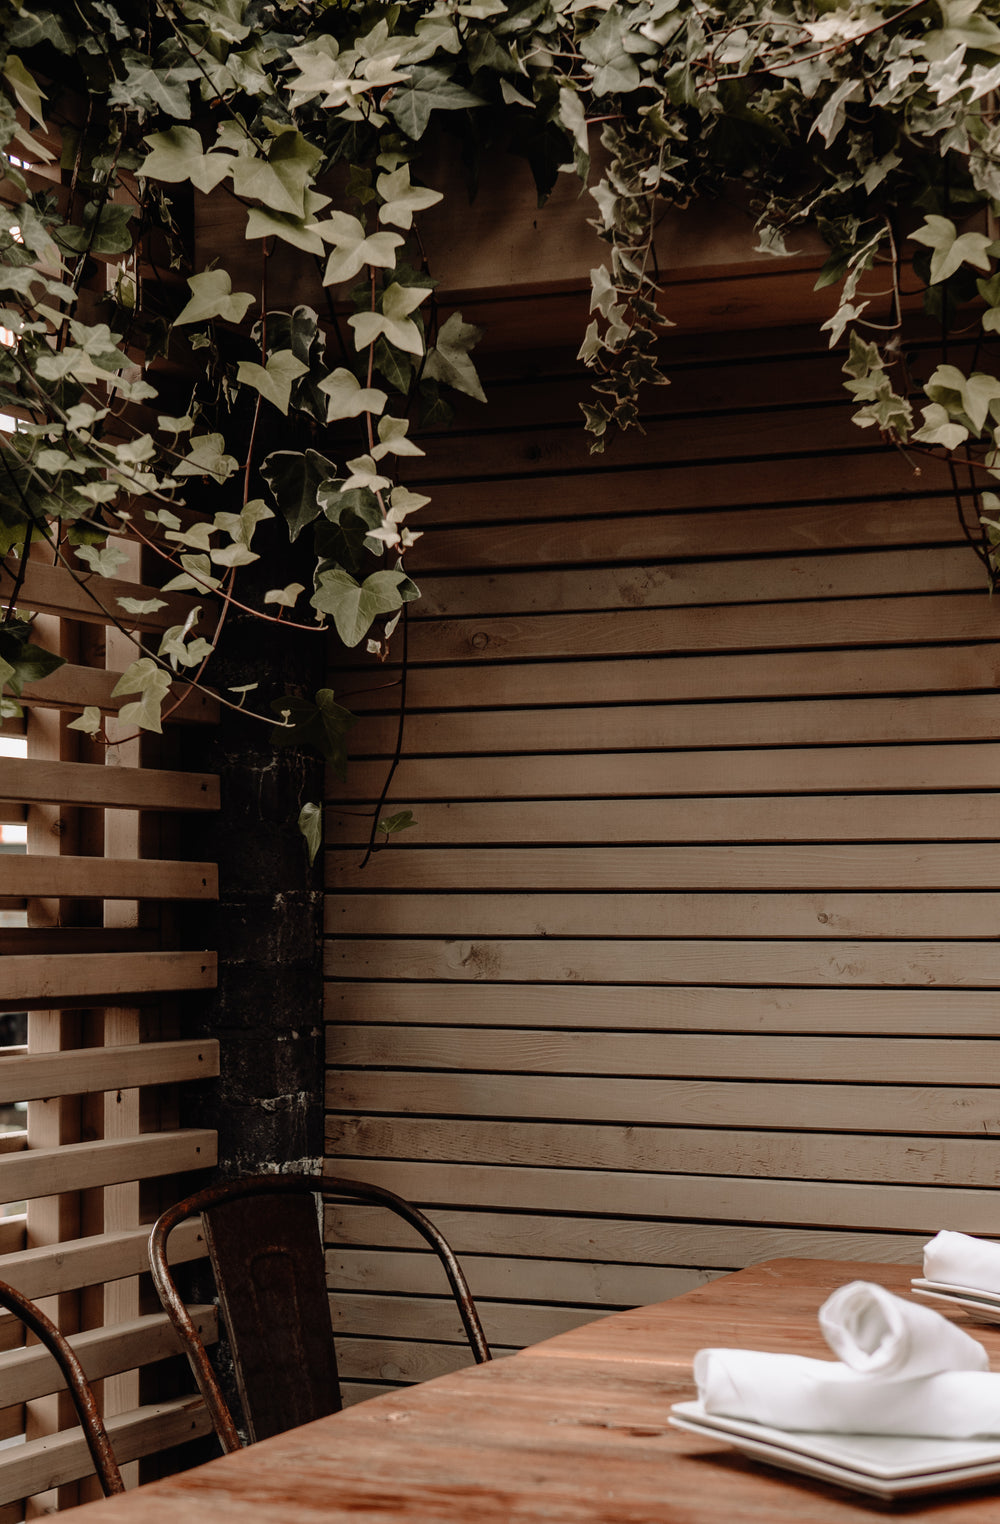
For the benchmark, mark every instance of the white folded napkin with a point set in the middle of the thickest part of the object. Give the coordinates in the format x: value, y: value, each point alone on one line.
x: 959, y: 1260
x: 880, y: 1334
x: 795, y: 1393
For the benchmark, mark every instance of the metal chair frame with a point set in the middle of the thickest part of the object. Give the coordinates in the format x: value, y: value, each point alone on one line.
x: 79, y: 1387
x: 213, y: 1196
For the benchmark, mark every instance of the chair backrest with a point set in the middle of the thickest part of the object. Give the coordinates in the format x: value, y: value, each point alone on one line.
x: 264, y: 1242
x: 79, y: 1387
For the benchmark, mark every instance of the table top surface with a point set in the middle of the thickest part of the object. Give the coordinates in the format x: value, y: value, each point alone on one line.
x: 570, y: 1431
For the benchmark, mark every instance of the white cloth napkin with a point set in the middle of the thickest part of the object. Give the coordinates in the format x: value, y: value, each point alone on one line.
x: 958, y: 1260
x: 904, y: 1369
x: 880, y: 1334
x: 795, y: 1393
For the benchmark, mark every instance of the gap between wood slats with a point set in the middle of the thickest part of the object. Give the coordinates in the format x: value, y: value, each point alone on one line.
x: 72, y: 687
x: 646, y: 1055
x: 913, y: 1209
x: 816, y: 770
x: 850, y: 867
x: 929, y: 1012
x: 968, y: 915
x: 88, y: 976
x: 29, y: 1373
x: 68, y: 1266
x: 111, y: 878
x: 82, y: 1071
x: 876, y: 1108
x: 484, y: 1239
x: 78, y: 1166
x: 108, y: 787
x: 60, y: 1458
x: 669, y: 961
x: 681, y: 727
x: 680, y: 679
x: 688, y: 1150
x: 648, y: 822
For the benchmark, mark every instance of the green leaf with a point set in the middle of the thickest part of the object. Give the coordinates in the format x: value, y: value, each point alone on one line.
x: 354, y: 606
x: 428, y: 89
x: 146, y: 678
x: 207, y: 457
x: 354, y: 248
x: 449, y: 360
x: 401, y: 821
x: 105, y: 562
x: 951, y: 249
x: 300, y: 232
x: 613, y: 71
x: 177, y: 157
x: 140, y: 606
x: 294, y: 476
x: 938, y: 428
x: 25, y: 87
x: 104, y: 229
x: 280, y: 179
x: 285, y: 597
x: 273, y: 381
x: 212, y: 296
x: 393, y: 322
x: 311, y: 826
x: 24, y: 662
x: 319, y: 726
x: 347, y: 398
x: 402, y: 200
x: 89, y: 721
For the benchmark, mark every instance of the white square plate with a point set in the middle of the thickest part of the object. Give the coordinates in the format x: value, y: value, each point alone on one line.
x: 884, y: 1465
x: 985, y: 1305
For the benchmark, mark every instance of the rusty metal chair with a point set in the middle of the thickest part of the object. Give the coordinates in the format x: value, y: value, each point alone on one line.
x: 79, y: 1387
x: 264, y: 1243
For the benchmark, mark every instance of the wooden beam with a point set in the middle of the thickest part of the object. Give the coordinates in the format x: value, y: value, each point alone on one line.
x: 94, y: 976
x: 84, y: 1071
x: 92, y: 783
x: 111, y: 878
x: 78, y: 1166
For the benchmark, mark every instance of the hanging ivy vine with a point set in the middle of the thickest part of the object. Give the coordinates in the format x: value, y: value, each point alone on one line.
x: 870, y: 121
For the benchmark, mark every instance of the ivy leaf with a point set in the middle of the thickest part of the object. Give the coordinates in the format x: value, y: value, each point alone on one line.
x: 89, y: 721
x: 21, y: 660
x: 428, y: 89
x: 146, y: 678
x: 294, y: 477
x: 310, y: 824
x: 320, y: 726
x: 152, y: 89
x: 393, y: 440
x: 402, y: 199
x: 607, y: 61
x: 25, y: 87
x: 285, y: 597
x: 401, y: 821
x: 105, y: 562
x: 177, y: 157
x: 449, y: 360
x: 300, y: 232
x: 207, y: 457
x: 347, y: 398
x: 212, y: 296
x: 354, y: 248
x: 951, y: 249
x: 140, y: 606
x: 103, y: 230
x: 353, y: 605
x: 273, y: 381
x: 280, y: 179
x: 393, y: 321
x: 938, y: 428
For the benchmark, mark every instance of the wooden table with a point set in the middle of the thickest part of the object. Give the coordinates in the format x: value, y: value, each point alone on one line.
x: 571, y: 1431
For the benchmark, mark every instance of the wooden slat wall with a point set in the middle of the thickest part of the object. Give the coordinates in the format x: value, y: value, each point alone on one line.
x: 89, y: 949
x: 691, y: 957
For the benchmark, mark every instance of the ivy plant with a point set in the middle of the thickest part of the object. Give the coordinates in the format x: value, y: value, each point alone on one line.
x: 872, y: 122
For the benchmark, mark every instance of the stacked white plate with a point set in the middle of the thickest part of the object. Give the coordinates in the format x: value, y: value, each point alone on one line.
x: 985, y: 1305
x: 886, y: 1466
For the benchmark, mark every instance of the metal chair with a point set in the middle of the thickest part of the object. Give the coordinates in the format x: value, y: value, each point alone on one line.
x: 264, y: 1243
x: 80, y: 1389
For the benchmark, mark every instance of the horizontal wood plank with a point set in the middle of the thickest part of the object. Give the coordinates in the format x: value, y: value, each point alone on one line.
x: 56, y: 1459
x: 826, y: 1060
x: 89, y: 976
x: 968, y: 915
x: 31, y: 1372
x: 925, y: 1012
x: 94, y: 599
x: 51, y: 1268
x: 111, y: 878
x: 410, y: 1317
x: 79, y: 1166
x: 71, y: 687
x: 37, y: 781
x: 890, y: 866
x: 83, y: 1071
